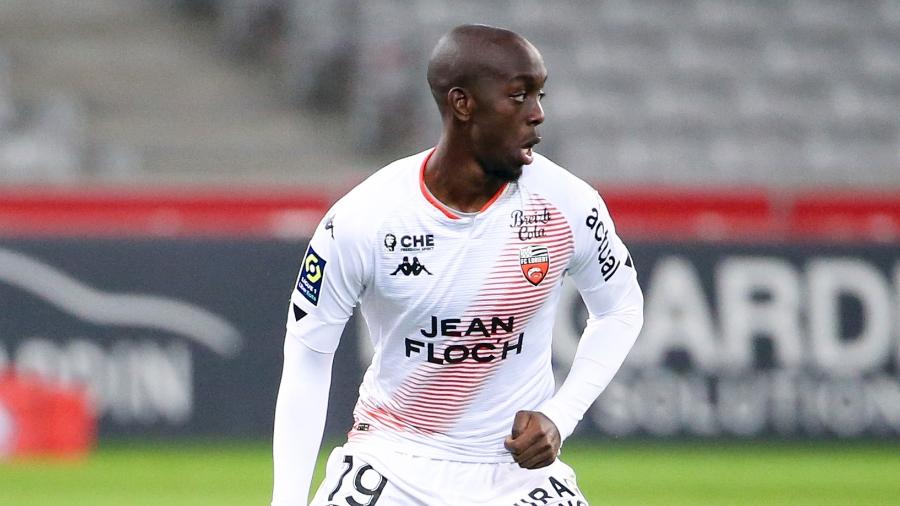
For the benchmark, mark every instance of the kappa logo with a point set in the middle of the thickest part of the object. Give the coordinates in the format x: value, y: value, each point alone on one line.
x: 535, y: 262
x: 329, y: 225
x: 411, y: 269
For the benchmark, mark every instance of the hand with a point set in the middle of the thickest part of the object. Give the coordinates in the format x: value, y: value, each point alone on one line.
x: 534, y: 442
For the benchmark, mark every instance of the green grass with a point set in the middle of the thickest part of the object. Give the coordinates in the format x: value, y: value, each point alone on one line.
x: 239, y: 474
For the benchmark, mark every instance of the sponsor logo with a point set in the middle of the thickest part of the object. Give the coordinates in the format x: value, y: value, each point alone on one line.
x: 409, y: 243
x: 530, y: 225
x: 413, y: 268
x: 415, y: 243
x: 535, y: 262
x: 310, y: 282
x: 157, y: 369
x: 390, y: 242
x: 562, y: 492
x: 456, y: 352
x: 609, y: 263
x: 450, y: 327
x: 329, y: 225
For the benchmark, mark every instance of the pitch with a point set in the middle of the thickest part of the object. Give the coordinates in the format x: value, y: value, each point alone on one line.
x: 610, y: 473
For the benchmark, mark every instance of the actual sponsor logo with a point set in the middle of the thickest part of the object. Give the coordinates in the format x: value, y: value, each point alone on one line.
x: 609, y: 263
x: 535, y: 262
x: 413, y: 268
x: 310, y: 282
x: 530, y: 225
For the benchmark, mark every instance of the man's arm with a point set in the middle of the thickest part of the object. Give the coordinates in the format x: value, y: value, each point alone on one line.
x: 330, y: 282
x: 605, y: 343
x: 299, y: 420
x: 537, y: 435
x: 605, y: 276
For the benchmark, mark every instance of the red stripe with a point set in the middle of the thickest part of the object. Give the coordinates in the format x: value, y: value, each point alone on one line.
x: 160, y: 212
x: 651, y: 214
x: 452, y: 389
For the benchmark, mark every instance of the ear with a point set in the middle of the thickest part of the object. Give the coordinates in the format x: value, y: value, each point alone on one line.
x: 461, y: 103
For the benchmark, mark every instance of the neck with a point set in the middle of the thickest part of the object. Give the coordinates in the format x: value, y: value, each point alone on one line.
x: 456, y: 179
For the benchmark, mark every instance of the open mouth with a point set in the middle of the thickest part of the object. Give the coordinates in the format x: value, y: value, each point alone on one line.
x: 527, y: 153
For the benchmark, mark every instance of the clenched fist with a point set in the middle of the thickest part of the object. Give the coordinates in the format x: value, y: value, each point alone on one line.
x: 534, y: 442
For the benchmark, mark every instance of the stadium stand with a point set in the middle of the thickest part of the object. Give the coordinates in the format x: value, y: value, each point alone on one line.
x: 40, y: 140
x: 155, y: 101
x: 712, y: 92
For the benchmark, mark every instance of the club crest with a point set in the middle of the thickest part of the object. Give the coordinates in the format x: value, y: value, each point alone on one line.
x: 535, y: 262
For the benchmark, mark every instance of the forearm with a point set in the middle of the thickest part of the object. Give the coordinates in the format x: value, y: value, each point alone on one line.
x: 299, y: 421
x: 604, y: 345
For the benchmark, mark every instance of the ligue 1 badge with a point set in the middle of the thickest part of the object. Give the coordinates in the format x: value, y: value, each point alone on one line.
x: 535, y: 261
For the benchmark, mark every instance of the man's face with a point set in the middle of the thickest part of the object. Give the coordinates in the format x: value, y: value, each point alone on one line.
x: 508, y: 111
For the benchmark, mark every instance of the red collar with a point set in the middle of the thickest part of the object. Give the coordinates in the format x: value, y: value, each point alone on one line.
x: 450, y: 213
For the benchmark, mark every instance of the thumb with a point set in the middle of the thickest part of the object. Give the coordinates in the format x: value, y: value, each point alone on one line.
x: 520, y: 422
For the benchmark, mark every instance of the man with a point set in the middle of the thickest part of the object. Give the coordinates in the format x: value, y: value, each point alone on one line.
x: 456, y: 256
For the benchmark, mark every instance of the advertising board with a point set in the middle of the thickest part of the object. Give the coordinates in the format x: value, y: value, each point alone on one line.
x: 179, y: 336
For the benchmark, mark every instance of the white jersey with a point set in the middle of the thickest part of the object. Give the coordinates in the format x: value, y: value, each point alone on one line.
x: 460, y: 307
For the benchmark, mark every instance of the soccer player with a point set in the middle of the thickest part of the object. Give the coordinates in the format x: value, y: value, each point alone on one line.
x: 456, y: 257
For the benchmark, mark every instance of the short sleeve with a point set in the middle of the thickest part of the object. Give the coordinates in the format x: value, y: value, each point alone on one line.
x: 332, y: 277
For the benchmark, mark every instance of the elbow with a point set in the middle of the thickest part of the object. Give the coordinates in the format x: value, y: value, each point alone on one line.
x: 633, y: 309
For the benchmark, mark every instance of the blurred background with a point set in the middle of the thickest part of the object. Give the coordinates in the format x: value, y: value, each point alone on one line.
x: 163, y: 163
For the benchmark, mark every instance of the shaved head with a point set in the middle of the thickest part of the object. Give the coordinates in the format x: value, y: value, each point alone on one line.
x: 488, y: 83
x: 471, y: 53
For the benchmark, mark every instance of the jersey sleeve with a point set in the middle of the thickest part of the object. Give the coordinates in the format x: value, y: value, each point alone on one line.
x: 300, y: 415
x: 604, y: 274
x: 333, y: 275
x: 602, y: 267
x: 331, y: 280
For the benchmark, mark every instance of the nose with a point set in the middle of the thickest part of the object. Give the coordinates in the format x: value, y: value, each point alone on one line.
x: 536, y: 114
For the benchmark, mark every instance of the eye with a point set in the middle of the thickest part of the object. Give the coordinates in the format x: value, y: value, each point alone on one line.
x: 541, y: 95
x: 518, y: 97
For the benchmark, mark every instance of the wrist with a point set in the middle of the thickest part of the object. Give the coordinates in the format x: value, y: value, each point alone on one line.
x: 565, y: 423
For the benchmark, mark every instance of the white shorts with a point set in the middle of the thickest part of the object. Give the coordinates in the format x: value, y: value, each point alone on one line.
x: 357, y: 477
